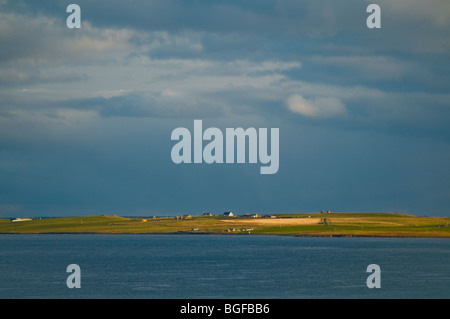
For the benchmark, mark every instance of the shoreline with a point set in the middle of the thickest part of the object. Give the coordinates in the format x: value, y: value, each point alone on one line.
x: 227, y: 234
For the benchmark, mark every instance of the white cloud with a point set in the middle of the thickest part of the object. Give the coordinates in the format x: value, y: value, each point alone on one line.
x: 41, y: 41
x: 370, y: 68
x: 319, y: 107
x: 435, y: 12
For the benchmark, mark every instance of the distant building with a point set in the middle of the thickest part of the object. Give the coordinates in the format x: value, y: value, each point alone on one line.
x: 20, y: 219
x: 186, y: 217
x: 254, y: 215
x: 207, y: 214
x: 228, y: 214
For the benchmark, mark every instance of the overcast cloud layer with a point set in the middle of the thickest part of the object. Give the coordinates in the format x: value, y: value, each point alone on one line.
x: 86, y: 114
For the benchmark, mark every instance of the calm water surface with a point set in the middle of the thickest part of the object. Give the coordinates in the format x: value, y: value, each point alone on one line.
x: 204, y: 266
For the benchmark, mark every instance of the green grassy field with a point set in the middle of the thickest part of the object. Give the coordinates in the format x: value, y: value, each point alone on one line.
x: 337, y: 224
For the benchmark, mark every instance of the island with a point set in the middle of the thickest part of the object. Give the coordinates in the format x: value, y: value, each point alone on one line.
x: 306, y: 224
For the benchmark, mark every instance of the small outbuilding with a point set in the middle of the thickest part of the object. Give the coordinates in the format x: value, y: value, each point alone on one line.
x: 18, y: 219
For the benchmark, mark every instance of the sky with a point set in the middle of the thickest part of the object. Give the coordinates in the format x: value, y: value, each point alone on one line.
x: 86, y: 115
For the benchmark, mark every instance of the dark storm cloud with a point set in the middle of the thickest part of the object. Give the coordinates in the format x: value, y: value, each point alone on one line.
x: 143, y: 105
x: 86, y: 115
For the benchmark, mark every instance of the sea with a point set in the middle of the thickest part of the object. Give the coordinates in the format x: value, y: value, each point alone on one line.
x: 35, y: 266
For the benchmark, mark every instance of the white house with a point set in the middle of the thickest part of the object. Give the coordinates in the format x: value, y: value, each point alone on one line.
x: 21, y: 219
x: 228, y: 214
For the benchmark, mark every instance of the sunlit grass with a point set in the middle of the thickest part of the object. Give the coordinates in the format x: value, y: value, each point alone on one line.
x: 337, y: 224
